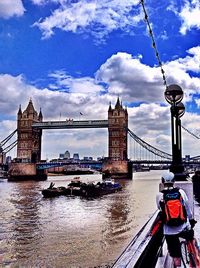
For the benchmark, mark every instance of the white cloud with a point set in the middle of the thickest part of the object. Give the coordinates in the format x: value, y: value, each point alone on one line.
x: 126, y: 74
x: 39, y: 2
x: 178, y: 72
x: 10, y: 8
x: 190, y: 15
x: 45, y: 2
x: 98, y: 18
x: 152, y: 123
x: 197, y: 102
x: 56, y: 106
x: 164, y: 35
x: 139, y: 85
x: 15, y: 87
x: 64, y: 82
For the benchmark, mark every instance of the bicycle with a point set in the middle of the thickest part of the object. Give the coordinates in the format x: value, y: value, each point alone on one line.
x: 190, y: 253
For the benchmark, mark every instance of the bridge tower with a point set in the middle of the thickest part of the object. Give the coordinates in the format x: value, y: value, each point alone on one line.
x: 117, y: 132
x: 117, y: 164
x: 29, y: 139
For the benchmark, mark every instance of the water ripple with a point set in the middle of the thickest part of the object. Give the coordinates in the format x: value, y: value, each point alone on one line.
x: 70, y: 232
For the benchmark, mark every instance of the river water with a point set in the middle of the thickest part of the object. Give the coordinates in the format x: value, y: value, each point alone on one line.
x: 71, y: 232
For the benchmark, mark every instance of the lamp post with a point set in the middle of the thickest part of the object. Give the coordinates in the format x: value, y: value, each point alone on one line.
x: 174, y: 96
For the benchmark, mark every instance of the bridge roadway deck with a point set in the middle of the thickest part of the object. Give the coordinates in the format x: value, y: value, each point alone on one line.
x: 70, y: 124
x: 47, y: 165
x: 164, y: 161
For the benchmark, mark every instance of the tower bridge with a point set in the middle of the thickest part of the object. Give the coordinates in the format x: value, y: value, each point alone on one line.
x: 29, y: 137
x: 30, y: 125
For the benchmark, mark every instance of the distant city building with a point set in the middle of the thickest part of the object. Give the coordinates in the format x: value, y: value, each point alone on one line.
x: 67, y: 155
x: 76, y: 156
x: 8, y: 159
x: 2, y: 157
x: 87, y: 158
x: 187, y: 158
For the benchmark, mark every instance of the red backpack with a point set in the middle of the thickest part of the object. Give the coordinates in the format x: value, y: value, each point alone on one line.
x: 173, y: 208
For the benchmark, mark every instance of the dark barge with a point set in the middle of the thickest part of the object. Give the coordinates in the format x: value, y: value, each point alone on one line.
x: 78, y: 188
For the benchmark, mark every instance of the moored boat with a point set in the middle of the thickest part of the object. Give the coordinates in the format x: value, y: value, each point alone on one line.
x: 73, y: 188
x: 54, y: 191
x: 101, y: 188
x: 78, y: 188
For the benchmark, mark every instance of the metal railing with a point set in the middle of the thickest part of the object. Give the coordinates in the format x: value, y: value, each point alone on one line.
x: 145, y: 247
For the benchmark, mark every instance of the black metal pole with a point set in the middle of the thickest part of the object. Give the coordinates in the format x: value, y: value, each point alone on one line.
x: 180, y: 139
x: 172, y: 134
x: 177, y: 167
x: 177, y: 156
x: 174, y: 96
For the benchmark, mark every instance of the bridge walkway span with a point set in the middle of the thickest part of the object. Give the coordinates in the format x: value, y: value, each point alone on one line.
x: 70, y: 124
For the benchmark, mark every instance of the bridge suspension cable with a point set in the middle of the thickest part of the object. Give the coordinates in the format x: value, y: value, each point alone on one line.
x: 10, y: 147
x: 188, y: 131
x: 197, y: 157
x: 3, y: 142
x: 149, y: 147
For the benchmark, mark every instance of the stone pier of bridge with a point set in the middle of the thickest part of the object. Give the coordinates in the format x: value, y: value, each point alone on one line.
x: 117, y: 169
x: 25, y: 171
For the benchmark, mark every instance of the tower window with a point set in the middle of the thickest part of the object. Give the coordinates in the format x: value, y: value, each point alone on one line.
x: 115, y: 143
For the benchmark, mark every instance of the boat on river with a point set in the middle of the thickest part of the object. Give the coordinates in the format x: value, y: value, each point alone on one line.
x: 78, y: 188
x: 54, y: 191
x: 108, y: 186
x: 73, y: 188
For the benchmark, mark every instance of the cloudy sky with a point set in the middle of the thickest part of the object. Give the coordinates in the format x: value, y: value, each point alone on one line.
x: 75, y: 56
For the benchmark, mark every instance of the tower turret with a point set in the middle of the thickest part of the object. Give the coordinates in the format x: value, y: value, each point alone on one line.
x: 30, y: 111
x: 110, y: 108
x: 19, y: 114
x: 40, y: 117
x: 118, y: 105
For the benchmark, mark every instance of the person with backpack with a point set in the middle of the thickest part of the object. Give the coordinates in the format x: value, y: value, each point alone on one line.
x: 176, y: 216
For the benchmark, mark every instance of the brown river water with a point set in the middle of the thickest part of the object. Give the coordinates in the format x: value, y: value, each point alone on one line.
x: 71, y: 232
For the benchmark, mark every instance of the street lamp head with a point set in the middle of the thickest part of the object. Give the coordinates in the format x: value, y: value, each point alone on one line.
x: 173, y: 94
x: 181, y: 109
